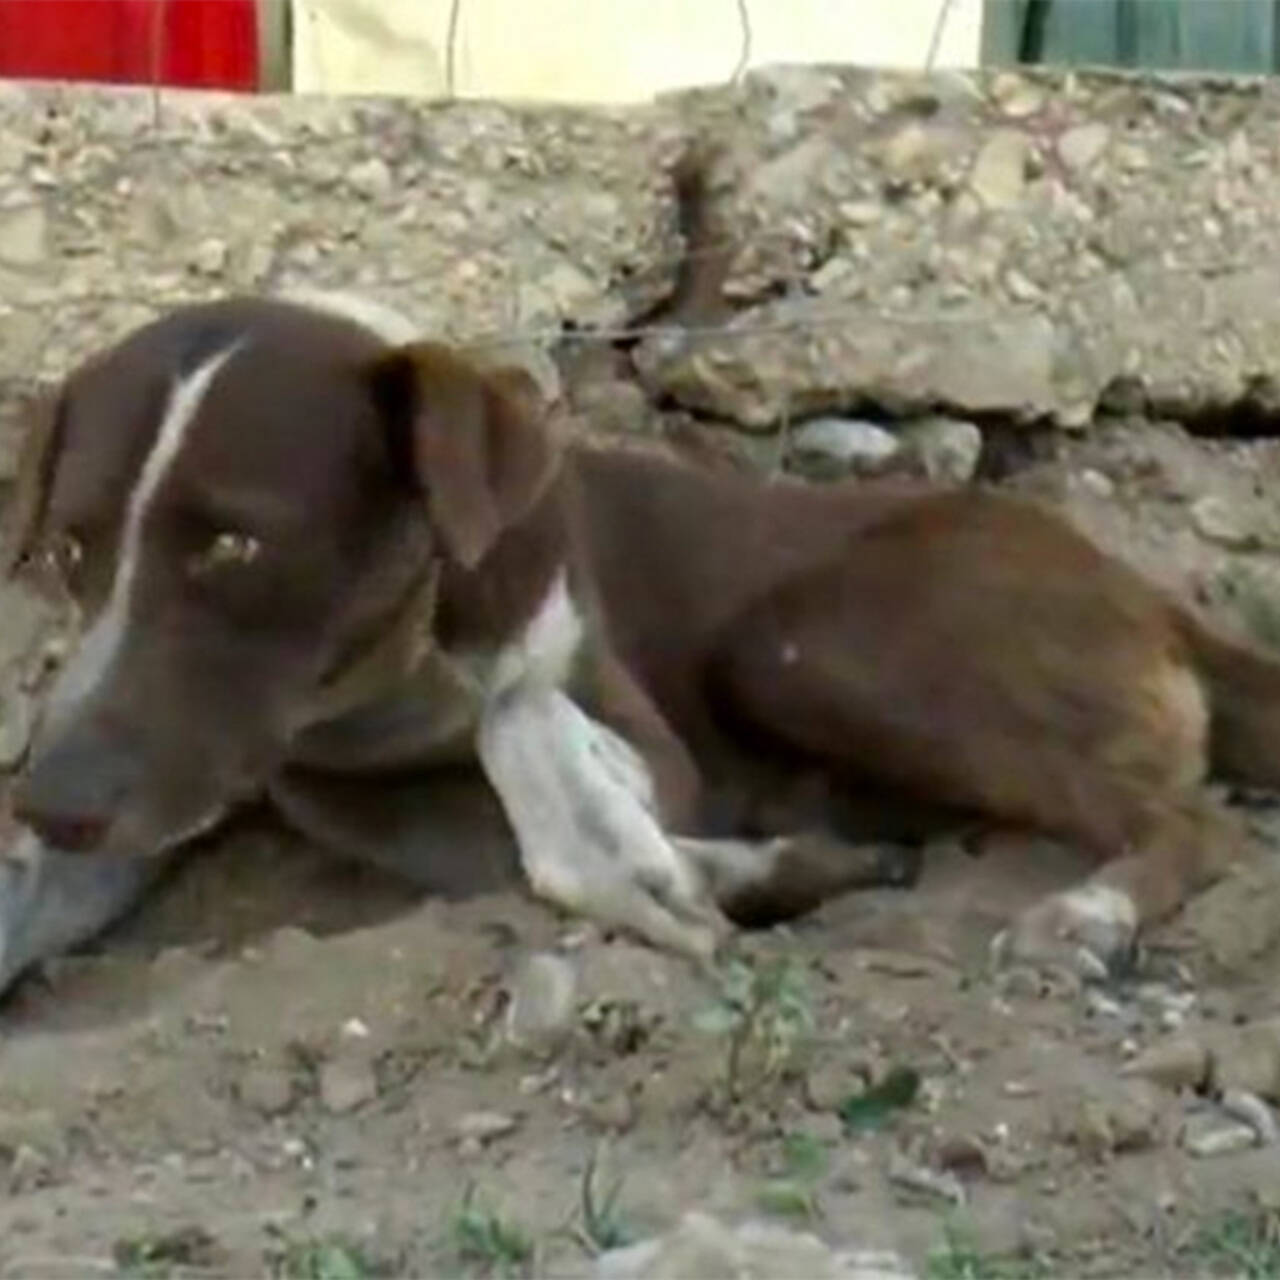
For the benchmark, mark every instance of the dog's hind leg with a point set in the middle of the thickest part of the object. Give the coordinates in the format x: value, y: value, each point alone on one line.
x: 761, y: 882
x: 1061, y: 702
x: 51, y: 902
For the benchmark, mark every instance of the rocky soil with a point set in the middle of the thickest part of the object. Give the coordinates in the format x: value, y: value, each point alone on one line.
x: 283, y: 1066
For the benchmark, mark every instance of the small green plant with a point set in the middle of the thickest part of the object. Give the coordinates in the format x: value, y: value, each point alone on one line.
x: 160, y: 1256
x: 874, y: 1106
x: 320, y: 1258
x: 484, y: 1239
x: 794, y: 1192
x: 960, y: 1258
x: 603, y: 1226
x: 1244, y: 1245
x: 764, y: 1014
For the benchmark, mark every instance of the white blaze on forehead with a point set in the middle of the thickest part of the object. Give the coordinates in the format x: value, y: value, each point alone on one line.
x: 94, y: 655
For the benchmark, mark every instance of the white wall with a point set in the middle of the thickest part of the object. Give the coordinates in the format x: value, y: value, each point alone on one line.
x: 606, y: 50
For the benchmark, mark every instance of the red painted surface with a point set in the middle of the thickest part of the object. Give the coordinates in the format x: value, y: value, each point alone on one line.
x: 207, y: 44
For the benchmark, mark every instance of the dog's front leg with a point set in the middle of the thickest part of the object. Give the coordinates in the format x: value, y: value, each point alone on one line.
x: 582, y: 804
x: 51, y: 901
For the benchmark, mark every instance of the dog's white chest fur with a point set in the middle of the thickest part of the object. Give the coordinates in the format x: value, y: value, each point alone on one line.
x: 579, y: 798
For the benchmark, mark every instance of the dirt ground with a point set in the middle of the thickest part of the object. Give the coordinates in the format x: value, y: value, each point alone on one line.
x: 285, y: 1066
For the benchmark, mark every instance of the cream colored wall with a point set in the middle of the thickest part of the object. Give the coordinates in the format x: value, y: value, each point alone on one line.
x: 606, y: 50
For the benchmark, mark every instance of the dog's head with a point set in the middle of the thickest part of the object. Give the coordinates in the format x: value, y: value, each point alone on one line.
x: 238, y: 498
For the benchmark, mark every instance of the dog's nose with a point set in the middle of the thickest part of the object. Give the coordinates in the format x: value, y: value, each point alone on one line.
x: 70, y: 793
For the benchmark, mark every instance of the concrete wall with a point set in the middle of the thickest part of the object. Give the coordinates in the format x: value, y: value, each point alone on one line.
x: 607, y: 50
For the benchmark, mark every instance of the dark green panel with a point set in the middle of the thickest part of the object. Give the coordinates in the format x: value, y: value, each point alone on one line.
x: 1193, y: 35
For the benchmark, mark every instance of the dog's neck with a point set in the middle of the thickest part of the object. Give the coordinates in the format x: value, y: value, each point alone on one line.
x: 479, y: 611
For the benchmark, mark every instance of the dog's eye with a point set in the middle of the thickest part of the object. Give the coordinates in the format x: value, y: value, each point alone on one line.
x: 225, y: 549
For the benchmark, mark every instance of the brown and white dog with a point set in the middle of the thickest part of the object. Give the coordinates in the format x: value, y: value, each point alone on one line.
x: 364, y: 578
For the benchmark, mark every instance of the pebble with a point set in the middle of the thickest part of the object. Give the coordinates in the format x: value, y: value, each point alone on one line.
x: 844, y: 444
x: 268, y: 1089
x: 347, y: 1083
x: 1251, y: 1110
x: 1108, y: 1117
x: 916, y: 1177
x: 1209, y: 1135
x: 1097, y: 483
x: 210, y: 257
x: 484, y: 1126
x: 371, y: 178
x: 1215, y: 521
x: 999, y: 171
x: 829, y: 1083
x: 543, y: 999
x: 947, y: 450
x: 861, y: 213
x: 24, y: 235
x: 1081, y: 147
x: 28, y: 1168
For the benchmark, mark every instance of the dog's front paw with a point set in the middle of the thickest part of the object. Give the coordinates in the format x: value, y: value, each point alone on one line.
x: 668, y: 907
x: 1089, y: 931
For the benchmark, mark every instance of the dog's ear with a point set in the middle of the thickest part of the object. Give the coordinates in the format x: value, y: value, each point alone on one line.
x: 476, y: 441
x: 24, y: 512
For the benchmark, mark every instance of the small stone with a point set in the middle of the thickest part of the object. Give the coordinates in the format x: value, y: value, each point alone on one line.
x: 543, y: 996
x: 999, y: 172
x: 1112, y: 1117
x: 347, y: 1083
x: 826, y: 1128
x: 1096, y: 483
x: 1017, y: 97
x: 563, y: 289
x: 268, y: 1089
x: 1132, y: 158
x: 1081, y: 147
x: 211, y: 256
x: 1215, y: 521
x: 1238, y: 151
x: 834, y: 445
x: 24, y: 234
x: 371, y: 178
x: 833, y: 273
x: 947, y: 450
x: 907, y: 151
x: 861, y: 213
x: 1103, y: 1006
x: 1209, y: 1135
x: 930, y: 1182
x: 1020, y: 288
x: 484, y: 1126
x: 829, y: 1083
x: 28, y: 1169
x: 1250, y: 1109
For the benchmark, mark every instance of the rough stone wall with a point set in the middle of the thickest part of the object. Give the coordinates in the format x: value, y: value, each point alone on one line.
x: 1000, y: 247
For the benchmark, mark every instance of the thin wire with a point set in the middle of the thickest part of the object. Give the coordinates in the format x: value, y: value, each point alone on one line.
x: 451, y: 48
x: 744, y: 47
x: 935, y: 40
